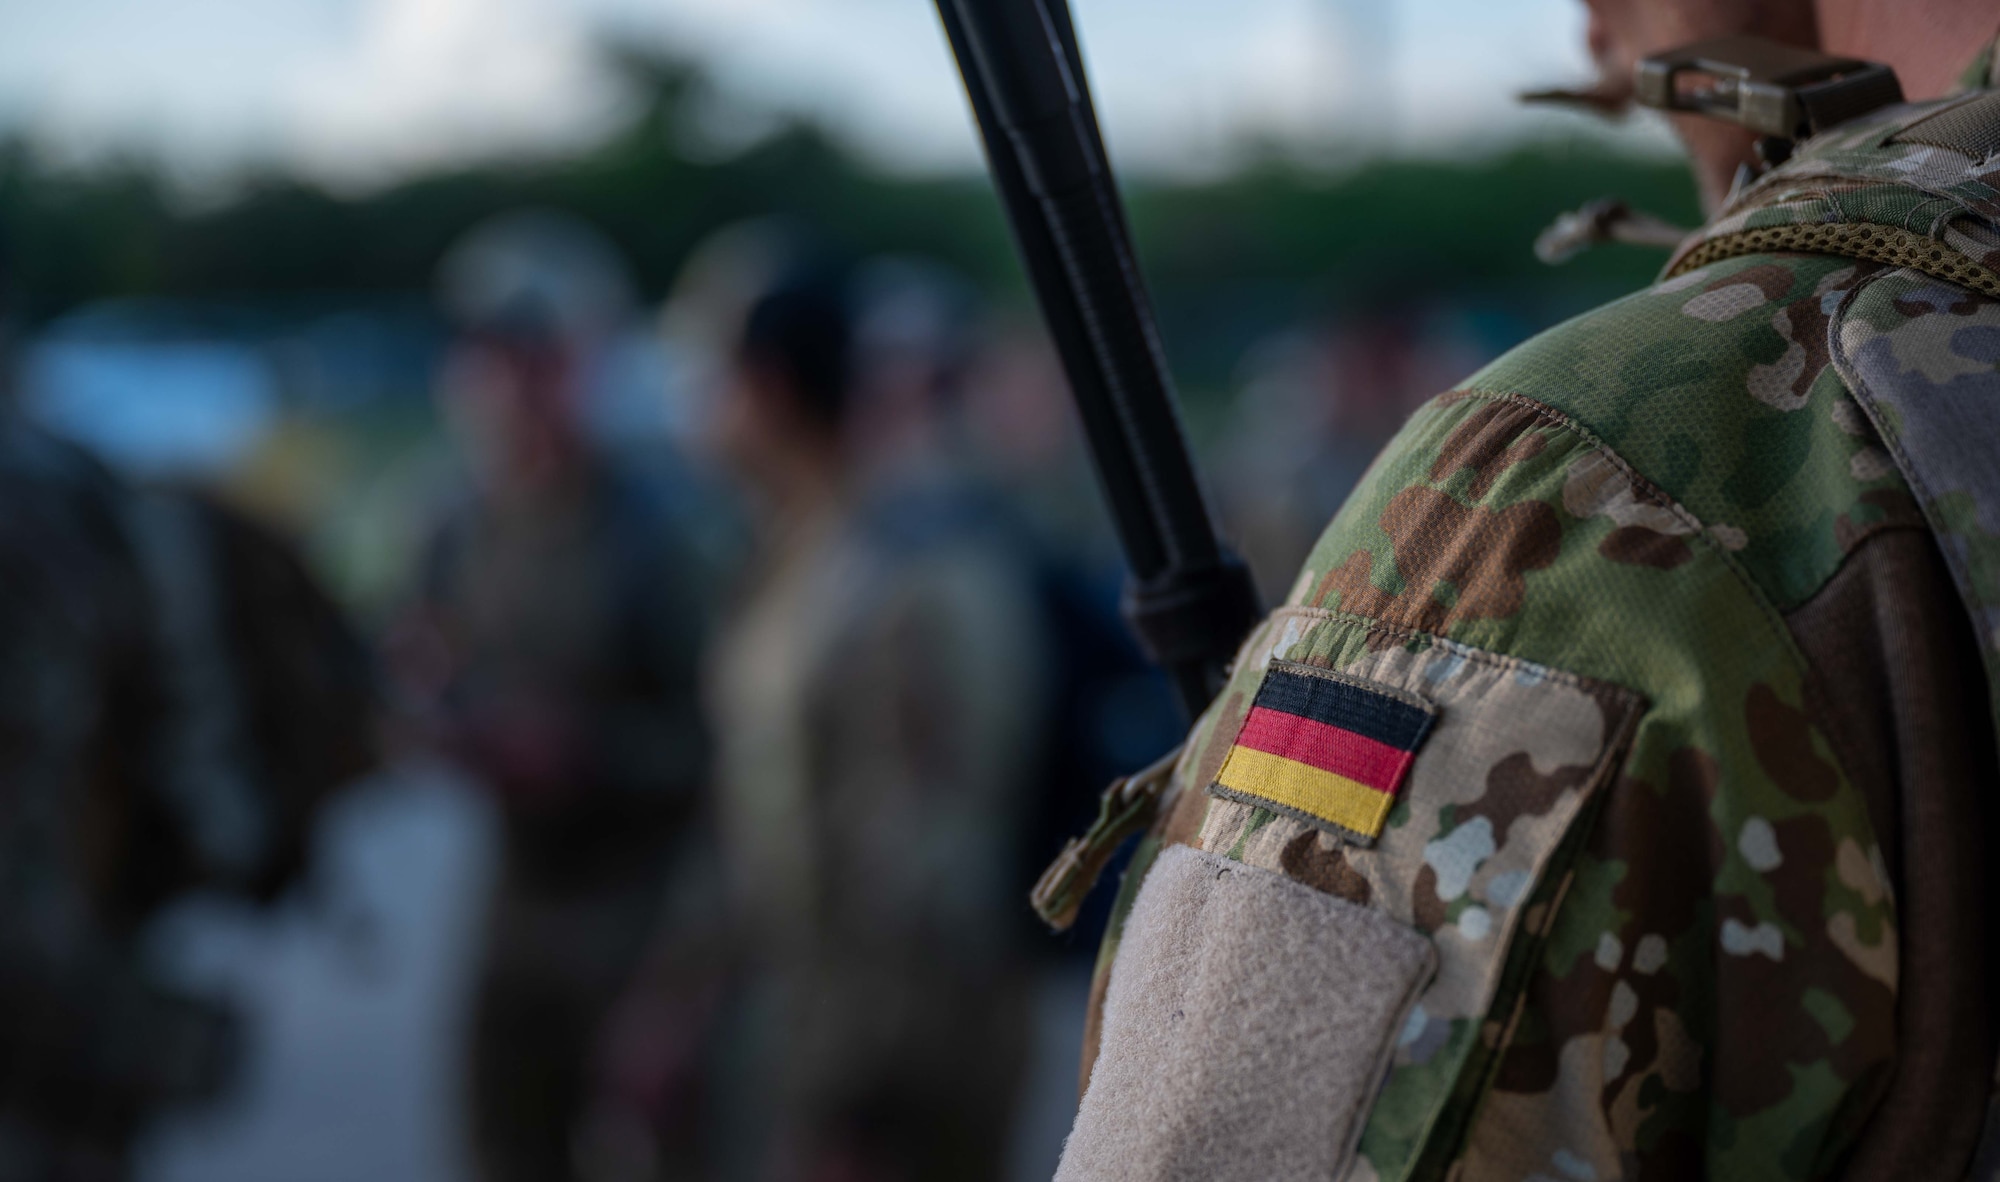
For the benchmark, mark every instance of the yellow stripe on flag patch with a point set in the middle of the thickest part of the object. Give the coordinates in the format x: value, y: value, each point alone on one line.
x: 1337, y: 800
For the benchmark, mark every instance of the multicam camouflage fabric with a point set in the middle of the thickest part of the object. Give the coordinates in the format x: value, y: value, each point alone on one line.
x: 1919, y: 356
x: 1521, y: 752
x: 1702, y: 977
x: 1905, y: 336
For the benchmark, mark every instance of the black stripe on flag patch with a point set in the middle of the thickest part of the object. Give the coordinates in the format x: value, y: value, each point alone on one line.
x: 1375, y: 714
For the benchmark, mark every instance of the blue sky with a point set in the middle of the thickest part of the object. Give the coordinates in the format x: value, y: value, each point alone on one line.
x: 358, y: 91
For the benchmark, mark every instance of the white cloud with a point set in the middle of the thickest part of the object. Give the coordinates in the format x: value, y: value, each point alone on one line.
x: 444, y: 80
x: 359, y: 90
x: 878, y: 70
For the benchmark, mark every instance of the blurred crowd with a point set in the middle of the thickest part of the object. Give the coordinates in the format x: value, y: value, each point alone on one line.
x: 784, y: 660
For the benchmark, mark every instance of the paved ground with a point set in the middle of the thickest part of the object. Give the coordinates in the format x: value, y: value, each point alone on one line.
x: 356, y: 999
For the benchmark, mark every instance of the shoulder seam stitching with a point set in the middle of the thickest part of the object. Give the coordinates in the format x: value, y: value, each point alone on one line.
x: 1659, y: 499
x: 1457, y: 648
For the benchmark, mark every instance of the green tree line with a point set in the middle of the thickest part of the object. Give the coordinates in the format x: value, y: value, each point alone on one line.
x: 1276, y: 234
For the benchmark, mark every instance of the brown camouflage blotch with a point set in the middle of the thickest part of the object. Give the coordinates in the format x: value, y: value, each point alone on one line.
x: 1635, y: 545
x: 1773, y: 280
x: 1781, y: 737
x: 1492, y: 439
x: 1308, y: 859
x: 1809, y: 851
x: 1514, y: 789
x: 1483, y: 554
x: 1668, y: 841
x: 1427, y: 911
x: 1966, y: 305
x: 1757, y: 1009
x: 1759, y: 1003
x: 1806, y: 324
x: 1691, y: 770
x: 1577, y: 1003
x: 1670, y: 848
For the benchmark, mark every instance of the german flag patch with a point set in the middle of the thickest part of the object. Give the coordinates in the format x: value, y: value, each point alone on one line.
x: 1328, y: 749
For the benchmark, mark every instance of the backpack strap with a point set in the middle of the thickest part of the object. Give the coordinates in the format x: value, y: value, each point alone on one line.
x: 1916, y: 185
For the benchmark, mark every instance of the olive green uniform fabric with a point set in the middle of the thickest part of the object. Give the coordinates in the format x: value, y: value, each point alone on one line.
x: 1759, y: 949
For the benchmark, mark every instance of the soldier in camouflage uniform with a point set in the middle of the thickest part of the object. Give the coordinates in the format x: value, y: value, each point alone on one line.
x: 874, y: 698
x: 554, y: 642
x: 1612, y: 795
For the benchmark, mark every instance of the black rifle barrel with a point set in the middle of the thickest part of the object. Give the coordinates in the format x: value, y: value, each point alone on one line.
x: 1190, y: 601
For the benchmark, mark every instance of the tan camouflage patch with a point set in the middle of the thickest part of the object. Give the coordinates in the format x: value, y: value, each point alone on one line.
x: 1597, y: 487
x: 1516, y: 1131
x: 1515, y: 757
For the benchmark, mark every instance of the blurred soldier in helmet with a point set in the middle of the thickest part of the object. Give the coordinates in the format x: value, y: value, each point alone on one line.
x: 555, y: 642
x: 874, y: 695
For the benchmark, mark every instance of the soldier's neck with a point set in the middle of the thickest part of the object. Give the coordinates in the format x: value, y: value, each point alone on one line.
x: 1928, y: 42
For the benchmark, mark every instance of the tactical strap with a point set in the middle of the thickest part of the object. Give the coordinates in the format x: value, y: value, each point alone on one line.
x: 1970, y: 129
x: 1854, y: 240
x: 1126, y: 808
x: 1914, y: 186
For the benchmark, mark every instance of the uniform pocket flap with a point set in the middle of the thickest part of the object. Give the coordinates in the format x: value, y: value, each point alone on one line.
x: 1241, y: 1002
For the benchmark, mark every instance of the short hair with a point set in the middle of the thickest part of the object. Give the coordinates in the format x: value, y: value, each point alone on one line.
x: 802, y: 328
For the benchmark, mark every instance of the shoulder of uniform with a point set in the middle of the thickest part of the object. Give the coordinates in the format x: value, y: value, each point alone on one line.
x: 1717, y: 391
x: 1575, y: 567
x: 1497, y: 522
x: 1687, y: 453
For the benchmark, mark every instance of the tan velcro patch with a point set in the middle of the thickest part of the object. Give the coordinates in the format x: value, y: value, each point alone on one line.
x: 1243, y: 1005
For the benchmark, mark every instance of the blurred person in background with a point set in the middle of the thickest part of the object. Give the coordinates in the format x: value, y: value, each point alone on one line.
x: 555, y: 647
x: 1314, y: 405
x: 178, y: 701
x: 1284, y: 465
x: 1106, y: 709
x: 874, y: 694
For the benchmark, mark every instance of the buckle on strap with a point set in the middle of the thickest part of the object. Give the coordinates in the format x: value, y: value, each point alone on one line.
x: 1773, y: 89
x: 1127, y: 807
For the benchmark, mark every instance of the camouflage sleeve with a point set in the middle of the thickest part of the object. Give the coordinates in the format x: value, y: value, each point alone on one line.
x: 1664, y: 938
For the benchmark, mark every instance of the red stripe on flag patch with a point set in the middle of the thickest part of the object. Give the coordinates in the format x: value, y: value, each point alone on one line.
x: 1330, y: 748
x: 1325, y: 747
